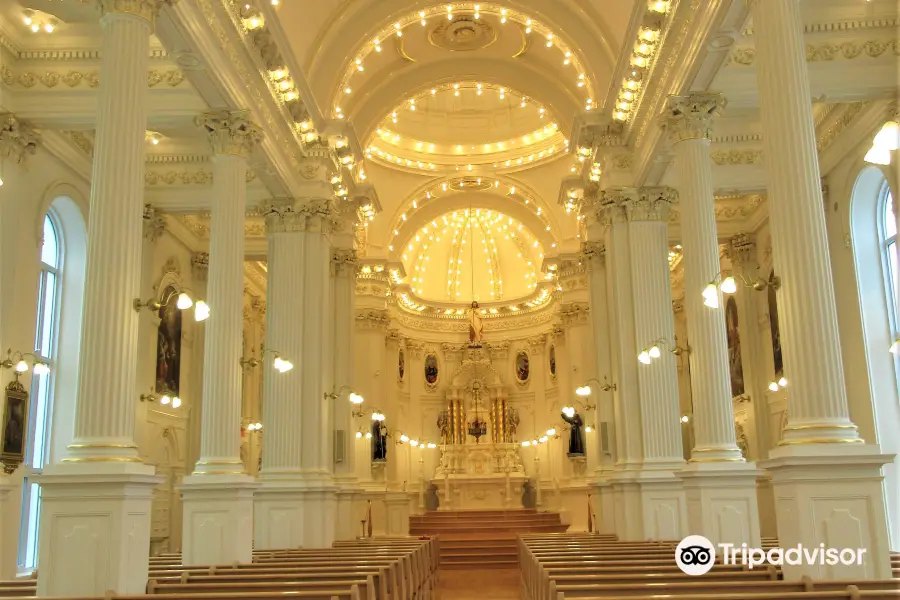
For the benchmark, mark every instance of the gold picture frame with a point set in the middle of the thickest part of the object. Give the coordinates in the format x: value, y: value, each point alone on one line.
x: 14, y: 430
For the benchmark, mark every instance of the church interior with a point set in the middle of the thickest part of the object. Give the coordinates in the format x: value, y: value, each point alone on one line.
x: 664, y: 301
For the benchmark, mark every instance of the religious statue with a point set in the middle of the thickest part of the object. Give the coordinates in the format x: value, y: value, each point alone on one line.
x: 475, y: 326
x: 576, y: 435
x: 443, y: 423
x: 379, y: 441
x: 511, y: 423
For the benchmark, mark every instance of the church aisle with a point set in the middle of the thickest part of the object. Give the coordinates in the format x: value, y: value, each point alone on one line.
x: 479, y: 584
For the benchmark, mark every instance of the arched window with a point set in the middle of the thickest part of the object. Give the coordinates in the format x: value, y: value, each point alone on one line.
x: 45, y: 342
x: 887, y: 232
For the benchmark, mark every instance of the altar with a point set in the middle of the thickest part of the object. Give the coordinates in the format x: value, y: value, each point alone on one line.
x: 480, y: 465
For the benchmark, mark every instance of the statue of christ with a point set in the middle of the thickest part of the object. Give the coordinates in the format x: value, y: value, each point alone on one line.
x: 475, y: 326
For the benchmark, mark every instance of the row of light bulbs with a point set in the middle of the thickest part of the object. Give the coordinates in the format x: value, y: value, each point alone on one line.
x: 37, y: 23
x: 476, y: 10
x: 391, y: 137
x: 411, y: 163
x: 542, y: 297
x: 644, y: 50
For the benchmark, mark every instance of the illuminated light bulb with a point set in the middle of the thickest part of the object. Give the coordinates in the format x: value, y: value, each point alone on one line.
x: 728, y: 285
x: 659, y: 6
x: 21, y: 366
x: 654, y: 352
x: 526, y: 443
x: 588, y: 429
x: 347, y: 90
x: 184, y: 301
x: 201, y: 311
x: 773, y: 387
x: 166, y: 399
x: 551, y: 431
x: 35, y: 27
x: 644, y: 357
x: 27, y: 20
x: 584, y: 390
x: 377, y: 47
x: 48, y: 27
x: 176, y: 402
x: 685, y: 419
x: 889, y: 136
x: 639, y: 61
x: 782, y: 382
x: 648, y: 35
x: 404, y: 438
x: 878, y: 156
x: 368, y: 435
x: 359, y: 435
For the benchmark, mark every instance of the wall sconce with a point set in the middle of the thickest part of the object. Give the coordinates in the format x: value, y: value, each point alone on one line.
x: 585, y: 390
x: 166, y: 399
x: 685, y: 418
x: 360, y: 434
x: 184, y: 302
x: 377, y: 415
x: 16, y: 360
x: 652, y: 352
x: 281, y: 365
x: 895, y: 347
x: 886, y: 141
x: 774, y: 386
x: 253, y: 426
x: 728, y: 285
x: 352, y: 396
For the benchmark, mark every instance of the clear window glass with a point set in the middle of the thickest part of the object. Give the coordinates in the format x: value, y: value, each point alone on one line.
x: 41, y: 390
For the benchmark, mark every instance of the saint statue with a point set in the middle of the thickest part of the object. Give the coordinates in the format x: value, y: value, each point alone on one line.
x: 576, y: 437
x: 475, y: 326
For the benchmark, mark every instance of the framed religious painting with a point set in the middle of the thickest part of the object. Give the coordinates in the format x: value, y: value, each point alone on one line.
x: 735, y: 363
x: 401, y: 365
x: 14, y: 427
x: 552, y: 362
x: 523, y: 367
x: 168, y: 345
x: 432, y: 370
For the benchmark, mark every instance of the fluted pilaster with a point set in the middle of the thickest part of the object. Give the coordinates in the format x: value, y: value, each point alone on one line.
x: 104, y: 414
x: 807, y: 312
x: 595, y: 255
x: 689, y: 122
x: 344, y: 266
x: 232, y: 137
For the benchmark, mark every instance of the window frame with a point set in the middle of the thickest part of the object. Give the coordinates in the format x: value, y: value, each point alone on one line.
x: 890, y: 265
x: 42, y: 389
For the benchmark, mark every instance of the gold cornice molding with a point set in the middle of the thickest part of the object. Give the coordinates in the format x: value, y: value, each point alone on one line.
x: 737, y: 157
x: 89, y: 78
x: 201, y: 176
x: 731, y: 207
x: 745, y: 56
x: 827, y: 137
x: 844, y: 26
x: 145, y: 9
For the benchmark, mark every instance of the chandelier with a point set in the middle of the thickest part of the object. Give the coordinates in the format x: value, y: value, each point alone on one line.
x: 478, y: 427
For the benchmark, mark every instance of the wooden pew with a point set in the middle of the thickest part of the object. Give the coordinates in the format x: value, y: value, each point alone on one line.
x: 350, y: 594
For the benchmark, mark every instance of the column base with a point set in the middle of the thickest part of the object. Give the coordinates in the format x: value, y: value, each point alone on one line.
x: 397, y: 504
x: 95, y: 528
x: 8, y: 532
x: 832, y: 494
x: 346, y: 523
x: 218, y: 519
x: 722, y: 502
x: 294, y: 512
x: 650, y: 504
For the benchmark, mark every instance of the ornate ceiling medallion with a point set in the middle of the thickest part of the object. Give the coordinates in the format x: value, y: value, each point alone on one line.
x: 462, y: 34
x: 471, y: 184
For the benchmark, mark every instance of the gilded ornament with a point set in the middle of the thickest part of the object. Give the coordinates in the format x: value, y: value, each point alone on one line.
x: 230, y: 132
x: 17, y: 139
x: 690, y: 117
x: 145, y: 9
x: 737, y: 157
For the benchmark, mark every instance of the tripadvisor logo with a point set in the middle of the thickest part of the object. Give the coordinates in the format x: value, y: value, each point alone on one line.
x: 695, y: 555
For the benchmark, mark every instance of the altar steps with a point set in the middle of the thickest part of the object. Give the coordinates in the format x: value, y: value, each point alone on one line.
x: 482, y: 538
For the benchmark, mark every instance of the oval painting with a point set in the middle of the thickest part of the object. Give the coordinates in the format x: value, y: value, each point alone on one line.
x: 553, y: 361
x: 401, y: 364
x: 431, y: 369
x: 523, y: 366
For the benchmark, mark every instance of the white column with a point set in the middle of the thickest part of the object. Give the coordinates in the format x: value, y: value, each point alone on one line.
x: 827, y: 483
x: 644, y: 213
x: 373, y: 374
x: 218, y: 496
x: 344, y: 283
x: 102, y: 490
x: 717, y: 476
x: 295, y: 503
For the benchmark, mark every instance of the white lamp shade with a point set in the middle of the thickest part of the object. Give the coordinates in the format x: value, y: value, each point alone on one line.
x: 201, y: 311
x: 356, y: 398
x: 165, y: 399
x: 782, y: 382
x: 644, y: 357
x: 21, y: 366
x: 41, y: 368
x: 184, y: 301
x: 773, y: 387
x: 711, y: 302
x: 551, y: 431
x: 358, y: 434
x: 526, y: 443
x: 878, y: 156
x: 710, y: 291
x: 654, y: 352
x: 895, y: 349
x: 889, y: 136
x: 404, y: 438
x: 728, y: 285
x: 176, y: 402
x: 584, y: 390
x: 368, y: 435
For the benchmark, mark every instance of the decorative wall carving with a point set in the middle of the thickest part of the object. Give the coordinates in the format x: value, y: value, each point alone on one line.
x: 745, y: 56
x: 737, y: 157
x: 574, y: 313
x: 73, y: 79
x: 690, y: 117
x: 17, y: 138
x: 154, y: 225
x: 230, y: 131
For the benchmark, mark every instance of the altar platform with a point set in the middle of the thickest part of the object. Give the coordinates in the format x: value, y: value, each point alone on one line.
x: 482, y: 538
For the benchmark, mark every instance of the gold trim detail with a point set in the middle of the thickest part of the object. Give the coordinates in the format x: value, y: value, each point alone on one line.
x: 80, y: 446
x: 102, y: 459
x: 220, y: 472
x: 803, y: 427
x: 711, y: 460
x: 820, y: 441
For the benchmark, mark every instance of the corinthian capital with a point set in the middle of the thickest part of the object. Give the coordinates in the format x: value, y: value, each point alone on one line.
x: 312, y: 215
x: 742, y: 250
x: 145, y: 9
x: 690, y: 117
x: 17, y: 139
x: 230, y: 131
x: 637, y: 204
